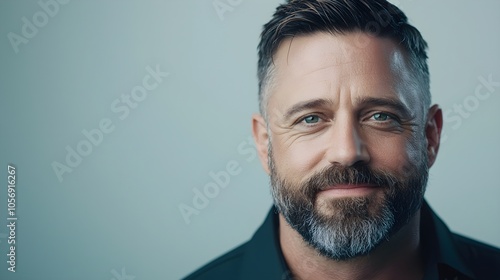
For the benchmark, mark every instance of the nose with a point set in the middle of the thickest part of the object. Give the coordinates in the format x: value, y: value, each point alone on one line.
x: 346, y: 146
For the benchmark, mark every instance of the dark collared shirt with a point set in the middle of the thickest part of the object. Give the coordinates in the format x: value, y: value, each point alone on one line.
x: 446, y: 255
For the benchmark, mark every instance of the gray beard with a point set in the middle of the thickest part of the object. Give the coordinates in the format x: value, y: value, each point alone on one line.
x: 345, y: 228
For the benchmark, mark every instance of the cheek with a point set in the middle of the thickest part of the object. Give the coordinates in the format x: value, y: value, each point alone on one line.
x: 297, y: 160
x: 397, y: 153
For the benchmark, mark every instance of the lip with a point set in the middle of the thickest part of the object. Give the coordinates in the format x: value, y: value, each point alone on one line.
x: 349, y: 190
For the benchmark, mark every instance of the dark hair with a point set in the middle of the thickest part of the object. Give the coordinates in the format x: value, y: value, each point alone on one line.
x: 376, y: 17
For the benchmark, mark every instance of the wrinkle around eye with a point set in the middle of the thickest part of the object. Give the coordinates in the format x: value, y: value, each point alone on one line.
x: 301, y: 136
x: 292, y: 134
x: 394, y: 125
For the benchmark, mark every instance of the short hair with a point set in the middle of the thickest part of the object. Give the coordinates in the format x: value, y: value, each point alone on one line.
x: 378, y: 18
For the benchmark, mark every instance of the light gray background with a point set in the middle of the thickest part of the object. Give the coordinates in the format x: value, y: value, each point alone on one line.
x: 117, y: 213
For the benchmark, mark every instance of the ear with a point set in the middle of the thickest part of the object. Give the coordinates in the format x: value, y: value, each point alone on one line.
x: 433, y: 129
x: 261, y: 138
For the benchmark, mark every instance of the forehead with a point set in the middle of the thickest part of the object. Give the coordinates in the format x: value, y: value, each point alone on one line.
x: 322, y: 65
x: 324, y: 49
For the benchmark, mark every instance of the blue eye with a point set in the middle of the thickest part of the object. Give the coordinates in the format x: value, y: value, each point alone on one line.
x: 311, y: 119
x: 381, y: 117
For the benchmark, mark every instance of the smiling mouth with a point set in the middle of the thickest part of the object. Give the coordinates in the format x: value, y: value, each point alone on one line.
x: 349, y: 190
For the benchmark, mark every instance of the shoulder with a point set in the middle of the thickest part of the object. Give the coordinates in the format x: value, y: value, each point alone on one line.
x: 223, y: 267
x: 258, y: 258
x: 482, y: 258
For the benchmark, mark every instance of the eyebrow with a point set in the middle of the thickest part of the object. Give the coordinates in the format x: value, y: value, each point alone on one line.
x: 310, y: 104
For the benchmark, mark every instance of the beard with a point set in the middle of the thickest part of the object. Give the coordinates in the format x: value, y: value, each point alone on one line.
x: 344, y: 228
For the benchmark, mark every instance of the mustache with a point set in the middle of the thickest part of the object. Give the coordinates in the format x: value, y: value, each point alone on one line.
x: 348, y: 175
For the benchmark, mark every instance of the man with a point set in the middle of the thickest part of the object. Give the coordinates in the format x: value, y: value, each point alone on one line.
x: 347, y: 133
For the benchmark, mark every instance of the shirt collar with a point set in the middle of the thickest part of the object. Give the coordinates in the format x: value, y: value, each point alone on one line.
x: 264, y: 249
x: 440, y: 253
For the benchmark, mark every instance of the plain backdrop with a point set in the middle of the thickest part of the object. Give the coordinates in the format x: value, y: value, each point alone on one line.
x: 116, y: 214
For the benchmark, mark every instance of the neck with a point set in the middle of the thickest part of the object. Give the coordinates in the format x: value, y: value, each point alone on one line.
x: 397, y: 258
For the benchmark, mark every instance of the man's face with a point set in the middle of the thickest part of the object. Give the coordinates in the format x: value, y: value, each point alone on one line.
x: 347, y: 147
